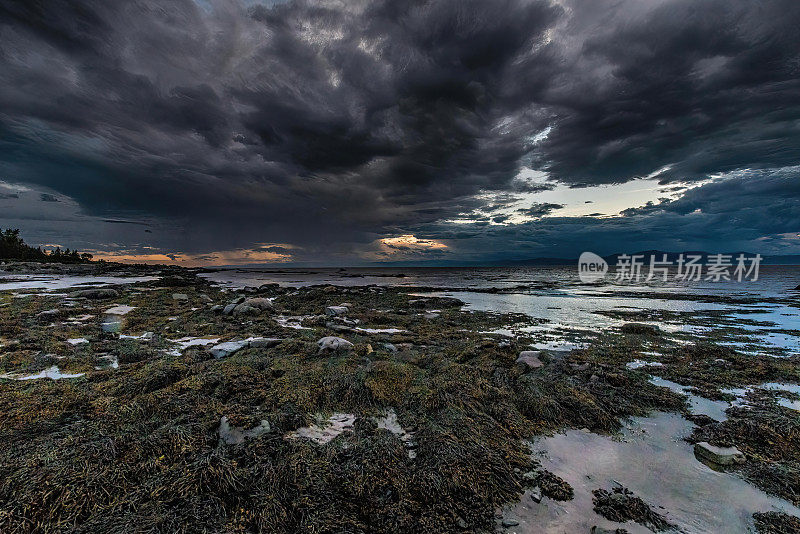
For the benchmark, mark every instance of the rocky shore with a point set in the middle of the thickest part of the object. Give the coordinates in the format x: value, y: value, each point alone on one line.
x: 172, y: 404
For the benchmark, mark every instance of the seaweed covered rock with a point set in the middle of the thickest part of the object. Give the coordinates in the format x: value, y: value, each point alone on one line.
x: 259, y: 303
x: 553, y: 486
x: 640, y: 329
x: 621, y: 505
x: 529, y: 359
x: 99, y: 293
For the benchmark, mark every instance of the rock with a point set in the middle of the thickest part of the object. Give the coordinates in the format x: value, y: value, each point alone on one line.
x: 509, y: 522
x: 265, y: 287
x: 182, y: 297
x: 335, y: 344
x: 251, y: 306
x: 205, y: 298
x: 431, y: 315
x: 245, y: 309
x: 718, y: 455
x: 260, y: 303
x: 346, y: 305
x: 233, y: 435
x: 100, y: 293
x: 333, y: 311
x: 49, y: 314
x: 223, y: 350
x: 536, y: 494
x: 530, y: 358
x: 228, y: 309
x: 390, y: 347
x: 217, y: 308
x: 339, y: 327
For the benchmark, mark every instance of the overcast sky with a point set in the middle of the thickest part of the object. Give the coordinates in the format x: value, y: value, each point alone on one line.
x: 346, y: 132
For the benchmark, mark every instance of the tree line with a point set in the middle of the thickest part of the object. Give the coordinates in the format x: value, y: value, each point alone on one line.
x: 13, y: 247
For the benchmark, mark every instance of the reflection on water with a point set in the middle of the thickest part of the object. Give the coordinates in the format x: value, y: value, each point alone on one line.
x: 653, y: 461
x: 697, y: 405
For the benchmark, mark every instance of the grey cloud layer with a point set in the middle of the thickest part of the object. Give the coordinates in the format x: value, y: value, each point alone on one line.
x: 327, y: 124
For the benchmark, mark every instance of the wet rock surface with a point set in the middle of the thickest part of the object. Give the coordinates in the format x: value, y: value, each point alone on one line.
x: 722, y: 456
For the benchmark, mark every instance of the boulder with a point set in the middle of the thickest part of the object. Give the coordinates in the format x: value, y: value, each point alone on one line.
x: 182, y: 297
x: 98, y: 293
x: 228, y: 309
x: 333, y: 344
x: 223, y: 350
x: 718, y: 455
x: 48, y: 314
x: 333, y: 311
x: 259, y: 303
x: 530, y: 359
x: 248, y: 306
x: 245, y: 309
x: 205, y: 298
x: 346, y: 305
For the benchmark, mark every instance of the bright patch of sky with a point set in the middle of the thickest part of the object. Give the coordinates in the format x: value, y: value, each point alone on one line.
x: 606, y: 200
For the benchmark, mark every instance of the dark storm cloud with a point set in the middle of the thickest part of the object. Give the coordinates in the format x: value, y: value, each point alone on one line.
x: 702, y: 86
x: 328, y: 125
x: 540, y: 209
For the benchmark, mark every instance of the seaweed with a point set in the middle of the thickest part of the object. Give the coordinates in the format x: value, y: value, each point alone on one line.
x: 621, y: 505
